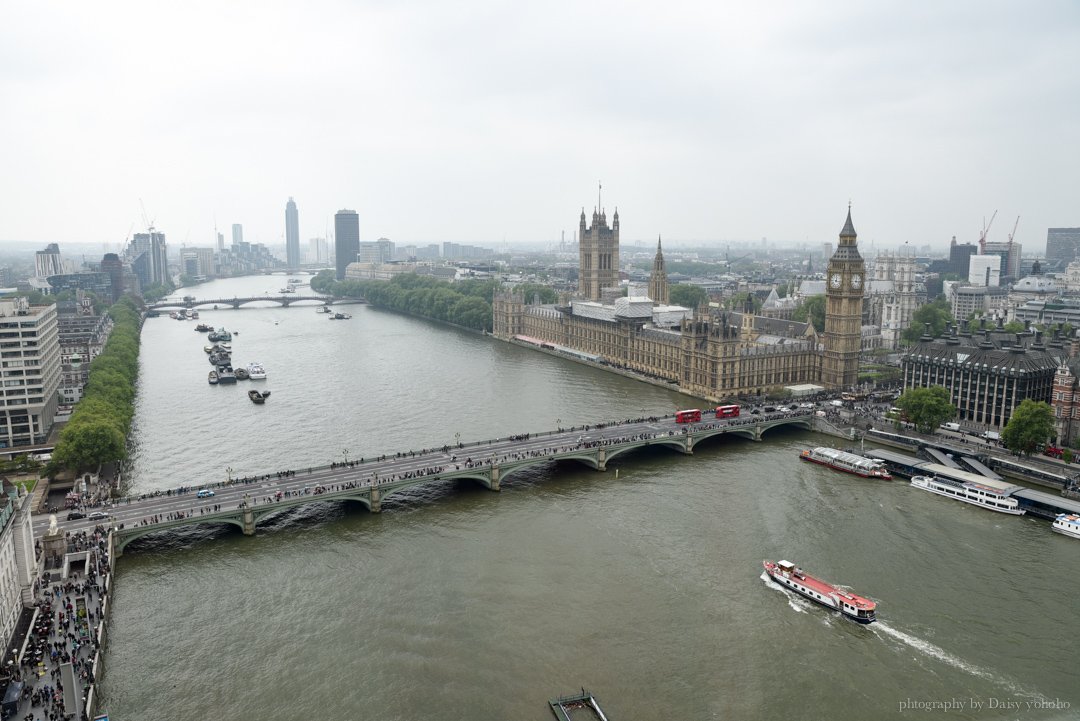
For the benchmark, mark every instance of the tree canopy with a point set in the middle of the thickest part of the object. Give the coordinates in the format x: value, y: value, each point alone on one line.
x: 98, y: 428
x: 938, y: 314
x: 927, y: 408
x: 812, y: 310
x: 466, y: 303
x: 1030, y: 426
x: 686, y: 295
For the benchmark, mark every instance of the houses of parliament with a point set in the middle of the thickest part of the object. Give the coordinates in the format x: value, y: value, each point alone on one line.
x: 707, y: 352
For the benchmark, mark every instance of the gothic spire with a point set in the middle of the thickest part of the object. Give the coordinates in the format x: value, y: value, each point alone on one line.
x: 849, y: 229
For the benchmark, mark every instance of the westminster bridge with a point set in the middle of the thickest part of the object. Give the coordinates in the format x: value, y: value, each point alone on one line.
x: 245, y: 502
x: 237, y: 302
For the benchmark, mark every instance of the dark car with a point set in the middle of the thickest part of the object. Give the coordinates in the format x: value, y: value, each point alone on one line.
x: 75, y: 515
x: 770, y: 409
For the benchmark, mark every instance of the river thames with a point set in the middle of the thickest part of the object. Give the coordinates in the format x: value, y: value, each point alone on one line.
x: 642, y: 583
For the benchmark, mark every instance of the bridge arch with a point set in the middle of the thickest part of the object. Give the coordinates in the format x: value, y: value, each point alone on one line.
x: 127, y: 535
x: 801, y: 422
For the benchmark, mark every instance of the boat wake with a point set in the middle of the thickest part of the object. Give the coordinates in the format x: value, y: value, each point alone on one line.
x: 796, y: 603
x: 940, y: 654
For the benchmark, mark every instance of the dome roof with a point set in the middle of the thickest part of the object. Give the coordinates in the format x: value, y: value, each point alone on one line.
x: 1035, y: 284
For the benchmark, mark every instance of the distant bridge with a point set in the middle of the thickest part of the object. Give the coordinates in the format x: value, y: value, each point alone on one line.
x: 244, y: 503
x: 237, y: 302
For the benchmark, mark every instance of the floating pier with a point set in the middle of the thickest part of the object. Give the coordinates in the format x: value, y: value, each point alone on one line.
x: 579, y: 707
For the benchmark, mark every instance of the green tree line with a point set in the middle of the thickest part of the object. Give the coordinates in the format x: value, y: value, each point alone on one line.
x: 466, y: 303
x: 98, y: 428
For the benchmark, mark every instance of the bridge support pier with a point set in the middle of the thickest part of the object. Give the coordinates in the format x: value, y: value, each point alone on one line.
x: 248, y: 518
x: 376, y: 500
x: 757, y: 433
x: 689, y: 448
x: 494, y: 485
x: 601, y: 459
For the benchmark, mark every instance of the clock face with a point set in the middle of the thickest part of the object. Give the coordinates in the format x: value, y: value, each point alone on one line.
x: 856, y: 281
x: 835, y: 280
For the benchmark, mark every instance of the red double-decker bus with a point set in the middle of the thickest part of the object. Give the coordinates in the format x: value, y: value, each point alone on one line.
x: 691, y: 416
x: 731, y: 411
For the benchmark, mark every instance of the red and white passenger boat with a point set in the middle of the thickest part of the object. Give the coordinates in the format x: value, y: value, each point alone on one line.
x: 788, y: 575
x: 847, y: 462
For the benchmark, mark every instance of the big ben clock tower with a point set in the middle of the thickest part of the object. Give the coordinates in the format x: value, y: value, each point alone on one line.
x: 844, y: 287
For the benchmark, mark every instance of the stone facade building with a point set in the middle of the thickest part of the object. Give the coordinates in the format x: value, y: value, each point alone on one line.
x: 658, y: 281
x: 598, y: 255
x: 710, y: 353
x: 843, y: 312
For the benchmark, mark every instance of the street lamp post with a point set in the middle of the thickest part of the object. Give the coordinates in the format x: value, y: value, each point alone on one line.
x: 457, y: 439
x: 346, y: 454
x: 228, y: 474
x: 558, y: 423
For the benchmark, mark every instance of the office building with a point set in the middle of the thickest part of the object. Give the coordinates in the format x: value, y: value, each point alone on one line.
x: 377, y: 252
x: 985, y: 270
x: 47, y: 262
x: 959, y: 253
x: 346, y: 240
x: 987, y: 371
x: 157, y: 261
x: 197, y: 262
x: 30, y: 371
x: 237, y: 234
x: 82, y: 336
x: 317, y: 251
x: 1009, y: 252
x: 292, y: 235
x: 114, y: 267
x: 1062, y: 245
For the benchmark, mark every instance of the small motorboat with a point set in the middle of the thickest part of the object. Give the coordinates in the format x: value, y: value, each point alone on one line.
x: 241, y: 373
x: 258, y: 397
x: 212, y: 378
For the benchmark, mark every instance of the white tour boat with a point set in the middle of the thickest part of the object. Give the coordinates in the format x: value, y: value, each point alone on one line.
x: 790, y: 576
x: 847, y: 462
x: 1067, y: 524
x: 969, y: 492
x: 256, y: 372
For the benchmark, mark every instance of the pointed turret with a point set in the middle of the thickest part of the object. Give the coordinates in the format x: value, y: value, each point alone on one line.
x: 849, y: 228
x: 658, y: 283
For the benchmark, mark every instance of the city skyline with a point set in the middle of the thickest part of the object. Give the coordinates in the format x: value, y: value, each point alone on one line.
x: 708, y: 124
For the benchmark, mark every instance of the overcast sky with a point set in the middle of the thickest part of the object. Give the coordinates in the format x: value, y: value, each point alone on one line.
x: 479, y: 121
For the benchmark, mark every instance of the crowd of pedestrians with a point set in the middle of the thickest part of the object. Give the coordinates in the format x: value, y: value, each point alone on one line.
x: 65, y: 629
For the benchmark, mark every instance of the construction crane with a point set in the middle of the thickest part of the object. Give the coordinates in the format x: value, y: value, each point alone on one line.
x: 1013, y: 232
x: 982, y: 236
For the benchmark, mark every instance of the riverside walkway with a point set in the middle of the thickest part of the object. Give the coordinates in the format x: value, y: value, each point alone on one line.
x: 245, y: 502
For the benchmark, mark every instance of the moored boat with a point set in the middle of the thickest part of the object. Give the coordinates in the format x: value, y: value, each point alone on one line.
x: 204, y: 328
x: 212, y: 378
x: 219, y: 335
x: 340, y: 316
x: 241, y: 374
x: 226, y: 375
x: 847, y: 462
x: 258, y: 396
x: 976, y: 494
x: 1067, y: 524
x: 790, y: 576
x: 256, y: 372
x: 323, y: 309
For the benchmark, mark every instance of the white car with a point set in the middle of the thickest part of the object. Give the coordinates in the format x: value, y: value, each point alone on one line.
x: 783, y: 409
x: 806, y: 405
